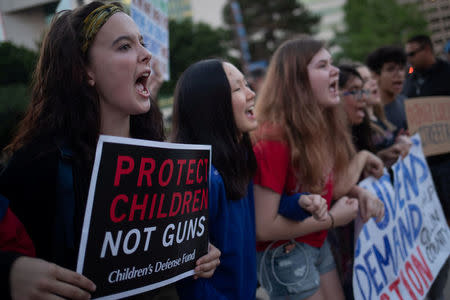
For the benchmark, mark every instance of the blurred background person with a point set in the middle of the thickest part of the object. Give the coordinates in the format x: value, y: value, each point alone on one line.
x: 388, y: 66
x: 431, y: 77
x: 365, y: 129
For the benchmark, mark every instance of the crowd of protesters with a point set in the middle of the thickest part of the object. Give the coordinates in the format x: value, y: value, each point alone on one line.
x: 285, y: 162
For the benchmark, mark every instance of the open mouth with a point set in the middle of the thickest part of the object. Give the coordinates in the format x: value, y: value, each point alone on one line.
x: 398, y: 84
x: 249, y: 112
x: 360, y: 113
x: 141, y: 84
x: 333, y: 88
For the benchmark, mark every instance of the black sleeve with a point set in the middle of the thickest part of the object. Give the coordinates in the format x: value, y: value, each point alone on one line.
x: 29, y: 182
x: 6, y: 261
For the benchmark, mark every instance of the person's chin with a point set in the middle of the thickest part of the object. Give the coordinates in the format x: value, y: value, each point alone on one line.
x: 334, y: 101
x: 251, y: 126
x: 143, y: 108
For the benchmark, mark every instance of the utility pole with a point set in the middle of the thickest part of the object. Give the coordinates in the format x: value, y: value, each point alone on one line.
x: 241, y: 35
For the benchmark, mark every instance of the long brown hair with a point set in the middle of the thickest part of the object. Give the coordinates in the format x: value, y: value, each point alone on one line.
x: 63, y: 104
x: 318, y: 137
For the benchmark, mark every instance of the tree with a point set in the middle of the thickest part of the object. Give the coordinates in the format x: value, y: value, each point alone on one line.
x: 16, y: 69
x: 16, y: 63
x: 190, y: 42
x: 371, y: 24
x: 269, y: 23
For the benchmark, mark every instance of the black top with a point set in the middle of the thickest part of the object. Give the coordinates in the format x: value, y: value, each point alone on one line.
x: 30, y: 182
x: 433, y: 82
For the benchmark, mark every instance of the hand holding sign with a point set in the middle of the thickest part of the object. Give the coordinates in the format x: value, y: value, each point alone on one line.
x: 390, y: 155
x: 207, y: 264
x: 374, y: 166
x: 38, y: 279
x: 402, y: 138
x: 400, y: 256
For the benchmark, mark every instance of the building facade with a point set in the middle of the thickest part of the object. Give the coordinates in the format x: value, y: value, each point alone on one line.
x: 24, y: 21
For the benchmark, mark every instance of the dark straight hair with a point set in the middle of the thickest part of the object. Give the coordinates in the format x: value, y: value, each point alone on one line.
x: 203, y: 114
x: 346, y: 73
x: 376, y: 59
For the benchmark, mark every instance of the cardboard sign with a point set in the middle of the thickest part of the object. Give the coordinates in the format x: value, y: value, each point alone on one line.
x: 430, y: 117
x: 151, y: 16
x: 146, y: 220
x: 399, y: 257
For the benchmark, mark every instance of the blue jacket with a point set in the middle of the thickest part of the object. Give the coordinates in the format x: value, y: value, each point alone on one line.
x: 232, y: 231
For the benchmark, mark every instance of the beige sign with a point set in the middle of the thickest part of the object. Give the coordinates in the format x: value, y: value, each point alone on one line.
x: 430, y: 117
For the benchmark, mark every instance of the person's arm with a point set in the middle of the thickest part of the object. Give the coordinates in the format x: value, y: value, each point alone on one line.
x: 363, y: 162
x: 369, y: 204
x: 300, y: 206
x: 272, y: 226
x: 290, y: 208
x: 391, y: 154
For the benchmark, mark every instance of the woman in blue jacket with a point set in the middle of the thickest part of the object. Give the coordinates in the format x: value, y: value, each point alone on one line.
x: 214, y: 105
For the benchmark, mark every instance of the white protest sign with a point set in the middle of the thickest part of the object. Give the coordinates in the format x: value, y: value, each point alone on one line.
x: 400, y: 257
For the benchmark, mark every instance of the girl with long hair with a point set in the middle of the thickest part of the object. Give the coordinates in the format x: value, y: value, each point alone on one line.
x: 92, y: 78
x: 214, y: 105
x: 303, y: 145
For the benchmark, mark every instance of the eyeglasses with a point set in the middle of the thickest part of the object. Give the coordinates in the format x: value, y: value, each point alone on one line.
x: 393, y: 68
x: 414, y: 52
x: 357, y: 94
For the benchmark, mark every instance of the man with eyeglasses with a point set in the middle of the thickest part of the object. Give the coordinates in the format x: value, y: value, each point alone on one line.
x: 388, y: 68
x: 431, y: 77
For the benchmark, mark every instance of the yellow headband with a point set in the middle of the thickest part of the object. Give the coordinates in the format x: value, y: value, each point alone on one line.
x: 94, y: 21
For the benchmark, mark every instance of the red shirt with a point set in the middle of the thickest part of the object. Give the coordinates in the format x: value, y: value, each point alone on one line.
x: 13, y: 236
x: 275, y: 172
